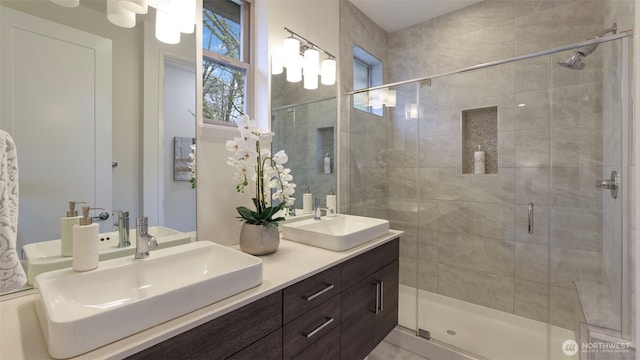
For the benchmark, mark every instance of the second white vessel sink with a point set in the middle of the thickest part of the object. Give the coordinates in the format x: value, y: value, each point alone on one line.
x: 338, y: 233
x: 81, y: 311
x: 45, y: 255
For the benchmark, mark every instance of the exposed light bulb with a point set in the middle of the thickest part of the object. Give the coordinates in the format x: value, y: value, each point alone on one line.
x: 294, y: 70
x: 291, y: 51
x: 167, y: 27
x: 187, y: 15
x: 119, y: 16
x: 328, y: 72
x: 311, y: 68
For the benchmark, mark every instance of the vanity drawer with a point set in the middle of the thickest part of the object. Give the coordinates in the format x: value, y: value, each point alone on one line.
x: 268, y: 348
x: 299, y: 334
x: 326, y: 348
x: 309, y: 293
x: 366, y: 264
x: 224, y: 336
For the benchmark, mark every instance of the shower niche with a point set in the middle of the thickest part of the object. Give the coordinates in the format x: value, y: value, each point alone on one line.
x: 480, y: 141
x: 325, y: 150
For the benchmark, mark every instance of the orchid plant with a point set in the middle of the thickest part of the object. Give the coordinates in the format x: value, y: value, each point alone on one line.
x: 192, y: 166
x: 267, y: 171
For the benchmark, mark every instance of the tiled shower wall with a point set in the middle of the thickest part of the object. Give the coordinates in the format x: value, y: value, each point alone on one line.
x: 296, y: 122
x: 466, y: 236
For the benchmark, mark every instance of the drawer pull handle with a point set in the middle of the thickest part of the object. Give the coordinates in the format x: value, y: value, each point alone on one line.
x: 313, y: 296
x: 379, y: 296
x: 328, y: 320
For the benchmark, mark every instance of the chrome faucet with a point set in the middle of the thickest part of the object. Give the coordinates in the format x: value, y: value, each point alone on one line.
x: 317, y: 213
x: 144, y: 241
x: 123, y: 228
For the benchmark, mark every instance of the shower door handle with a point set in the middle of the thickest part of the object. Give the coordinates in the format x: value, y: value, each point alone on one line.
x: 530, y: 218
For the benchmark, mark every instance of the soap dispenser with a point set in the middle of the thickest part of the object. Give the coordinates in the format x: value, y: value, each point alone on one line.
x: 307, y: 202
x: 332, y: 203
x: 66, y: 228
x: 85, y: 243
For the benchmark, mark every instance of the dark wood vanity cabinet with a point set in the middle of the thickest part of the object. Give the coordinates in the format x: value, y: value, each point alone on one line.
x: 340, y: 313
x: 370, y: 306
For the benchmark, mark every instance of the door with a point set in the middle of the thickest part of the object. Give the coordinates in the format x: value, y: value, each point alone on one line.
x: 56, y: 103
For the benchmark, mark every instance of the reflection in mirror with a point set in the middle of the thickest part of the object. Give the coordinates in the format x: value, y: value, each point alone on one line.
x: 305, y: 126
x: 85, y: 102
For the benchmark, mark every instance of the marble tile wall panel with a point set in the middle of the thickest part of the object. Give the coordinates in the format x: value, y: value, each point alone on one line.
x: 545, y: 24
x: 576, y: 228
x: 532, y: 262
x: 449, y: 184
x: 532, y: 185
x: 482, y: 288
x: 532, y: 148
x: 533, y: 74
x: 569, y: 265
x: 577, y: 106
x: 476, y: 219
x: 563, y: 310
x: 476, y: 253
x: 468, y: 20
x: 573, y: 187
x: 534, y: 113
x: 531, y: 300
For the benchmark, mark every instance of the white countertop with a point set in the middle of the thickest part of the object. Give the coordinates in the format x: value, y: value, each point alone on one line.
x: 21, y: 337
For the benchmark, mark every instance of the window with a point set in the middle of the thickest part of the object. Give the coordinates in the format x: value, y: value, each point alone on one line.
x: 225, y: 64
x: 367, y: 72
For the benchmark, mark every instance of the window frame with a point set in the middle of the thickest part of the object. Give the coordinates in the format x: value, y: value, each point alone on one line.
x: 375, y: 77
x: 244, y: 63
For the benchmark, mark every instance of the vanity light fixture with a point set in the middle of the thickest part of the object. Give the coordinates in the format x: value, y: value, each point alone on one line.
x: 137, y: 6
x: 311, y: 67
x: 307, y: 65
x: 120, y: 16
x: 173, y: 17
x: 328, y: 72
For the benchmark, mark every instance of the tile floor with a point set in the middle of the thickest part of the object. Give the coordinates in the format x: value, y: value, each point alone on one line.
x: 388, y: 351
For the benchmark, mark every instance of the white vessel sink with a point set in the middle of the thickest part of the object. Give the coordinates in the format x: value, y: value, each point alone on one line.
x: 81, y: 311
x: 45, y: 256
x: 338, y: 233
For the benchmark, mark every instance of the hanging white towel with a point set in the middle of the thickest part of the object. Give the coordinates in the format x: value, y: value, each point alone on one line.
x: 12, y: 275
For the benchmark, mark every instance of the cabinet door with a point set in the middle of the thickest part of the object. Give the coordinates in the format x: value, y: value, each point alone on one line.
x: 387, y: 315
x: 369, y: 312
x: 357, y: 323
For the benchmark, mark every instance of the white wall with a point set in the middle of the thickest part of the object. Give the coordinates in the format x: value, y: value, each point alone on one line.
x: 179, y: 106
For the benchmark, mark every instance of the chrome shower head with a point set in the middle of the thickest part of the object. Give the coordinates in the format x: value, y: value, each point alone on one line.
x: 575, y: 61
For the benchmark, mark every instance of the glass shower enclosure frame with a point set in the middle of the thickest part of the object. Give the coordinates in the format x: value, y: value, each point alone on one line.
x: 489, y: 171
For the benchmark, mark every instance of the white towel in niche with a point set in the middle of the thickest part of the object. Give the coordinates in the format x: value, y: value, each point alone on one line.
x: 12, y: 275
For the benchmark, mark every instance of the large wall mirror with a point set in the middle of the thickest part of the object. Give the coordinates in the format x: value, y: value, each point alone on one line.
x: 305, y: 126
x: 106, y: 118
